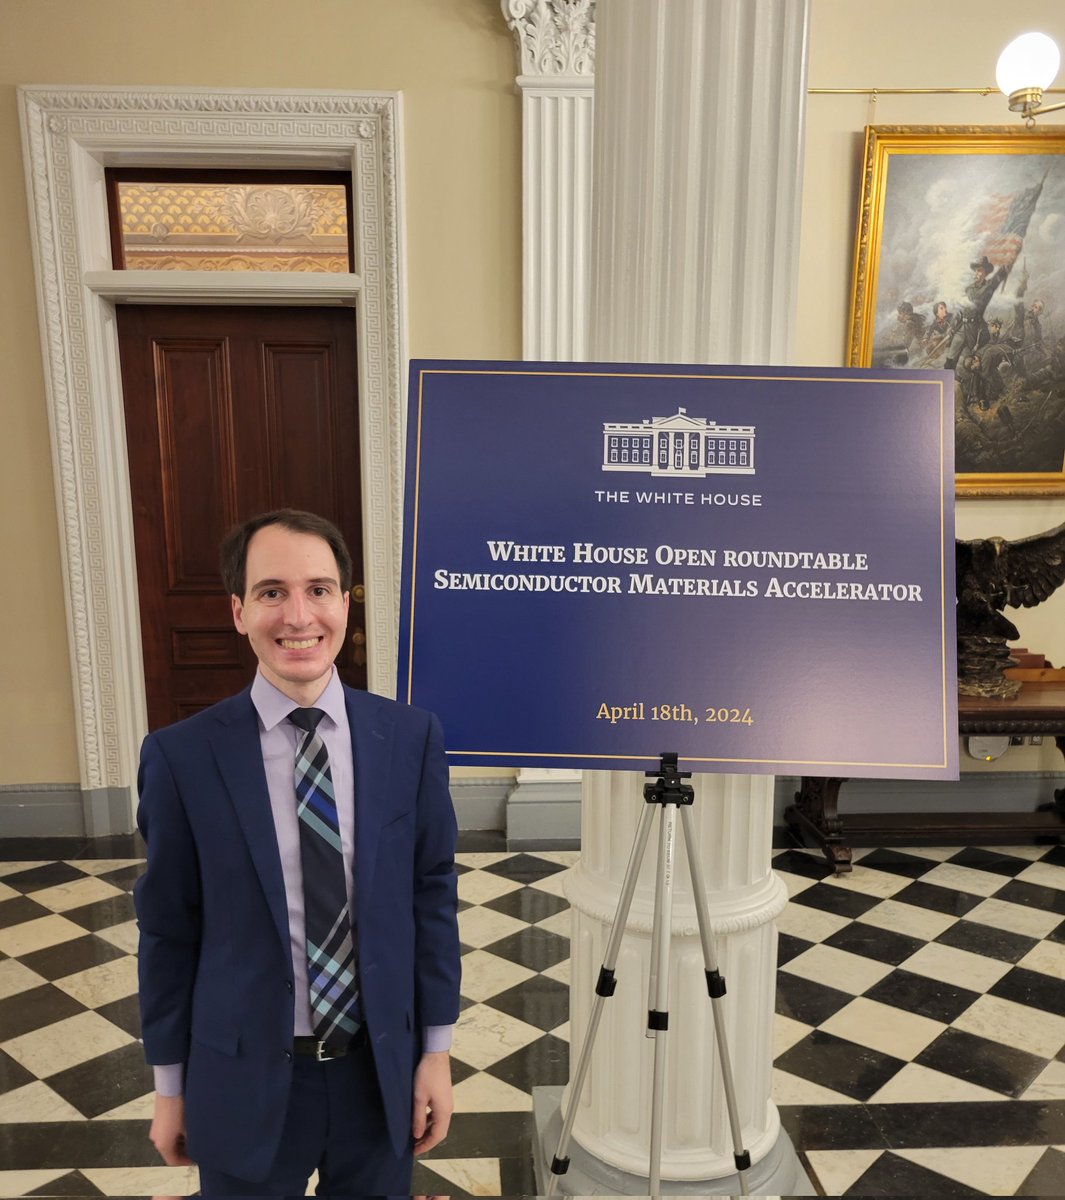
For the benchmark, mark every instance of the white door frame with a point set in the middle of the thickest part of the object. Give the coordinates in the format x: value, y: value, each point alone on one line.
x: 70, y: 135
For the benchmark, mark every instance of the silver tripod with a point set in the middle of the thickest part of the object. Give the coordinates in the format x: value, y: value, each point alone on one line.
x: 670, y: 794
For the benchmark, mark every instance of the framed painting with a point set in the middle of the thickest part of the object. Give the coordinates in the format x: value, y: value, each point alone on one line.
x: 960, y: 264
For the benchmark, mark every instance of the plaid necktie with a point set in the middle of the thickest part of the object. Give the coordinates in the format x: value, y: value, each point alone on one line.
x: 334, y: 991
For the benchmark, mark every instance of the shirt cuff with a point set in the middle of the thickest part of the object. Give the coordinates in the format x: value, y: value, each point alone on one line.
x: 436, y: 1038
x: 169, y: 1079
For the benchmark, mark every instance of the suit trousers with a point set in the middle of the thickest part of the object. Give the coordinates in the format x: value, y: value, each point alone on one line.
x: 335, y: 1124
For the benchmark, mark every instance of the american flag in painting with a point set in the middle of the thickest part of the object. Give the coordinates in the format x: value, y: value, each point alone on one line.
x: 1005, y: 222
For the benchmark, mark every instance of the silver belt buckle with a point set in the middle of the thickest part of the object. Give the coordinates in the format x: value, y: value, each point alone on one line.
x: 322, y: 1054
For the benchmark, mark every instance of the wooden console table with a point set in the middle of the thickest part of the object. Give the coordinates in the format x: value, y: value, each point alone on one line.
x: 1039, y: 708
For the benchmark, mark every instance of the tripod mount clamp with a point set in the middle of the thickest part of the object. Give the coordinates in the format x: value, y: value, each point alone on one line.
x: 668, y: 786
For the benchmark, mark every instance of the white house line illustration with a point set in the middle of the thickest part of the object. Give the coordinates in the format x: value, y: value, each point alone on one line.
x: 680, y: 445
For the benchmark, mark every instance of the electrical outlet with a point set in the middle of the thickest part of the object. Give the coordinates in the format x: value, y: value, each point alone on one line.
x: 1036, y: 739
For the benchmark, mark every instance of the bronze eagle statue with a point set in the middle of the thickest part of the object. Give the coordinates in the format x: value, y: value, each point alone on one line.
x: 992, y: 574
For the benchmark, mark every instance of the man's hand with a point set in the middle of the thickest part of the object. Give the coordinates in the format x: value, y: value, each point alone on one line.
x: 168, y: 1130
x: 433, y: 1102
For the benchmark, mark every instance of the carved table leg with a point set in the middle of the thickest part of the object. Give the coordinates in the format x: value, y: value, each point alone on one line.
x: 815, y: 812
x: 1059, y: 795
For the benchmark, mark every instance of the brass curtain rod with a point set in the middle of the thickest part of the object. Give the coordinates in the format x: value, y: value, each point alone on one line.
x: 917, y: 91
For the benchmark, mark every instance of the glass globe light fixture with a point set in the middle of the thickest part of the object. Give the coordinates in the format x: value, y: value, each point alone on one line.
x: 1026, y: 68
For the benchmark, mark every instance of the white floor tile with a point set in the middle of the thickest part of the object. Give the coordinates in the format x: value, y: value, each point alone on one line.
x: 478, y: 1176
x: 1047, y: 957
x: 810, y: 924
x: 883, y: 1027
x: 35, y: 1102
x: 1014, y: 918
x: 787, y: 1032
x: 39, y: 934
x: 909, y: 919
x: 21, y: 1183
x: 485, y: 975
x: 1018, y: 1025
x: 793, y: 1089
x: 103, y: 983
x: 836, y: 1170
x: 851, y: 973
x: 869, y: 882
x: 921, y: 1085
x: 1049, y: 1084
x: 1044, y: 875
x: 16, y: 977
x: 65, y: 1044
x: 482, y: 926
x: 475, y: 887
x: 965, y: 879
x: 75, y: 894
x: 485, y: 1093
x: 483, y: 1036
x: 994, y: 1170
x: 144, y: 1181
x: 958, y: 967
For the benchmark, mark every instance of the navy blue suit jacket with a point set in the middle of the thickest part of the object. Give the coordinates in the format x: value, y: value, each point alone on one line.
x: 216, y: 988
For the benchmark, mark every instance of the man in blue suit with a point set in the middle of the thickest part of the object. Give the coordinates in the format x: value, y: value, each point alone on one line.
x: 267, y: 1069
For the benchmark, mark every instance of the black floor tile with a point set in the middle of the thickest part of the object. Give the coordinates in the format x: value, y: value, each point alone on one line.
x: 525, y: 868
x: 976, y: 1123
x: 38, y: 878
x: 70, y: 957
x: 1057, y: 935
x: 978, y: 1060
x: 480, y: 1135
x: 925, y: 997
x: 836, y: 900
x: 528, y: 904
x: 544, y: 1062
x: 539, y: 1001
x: 872, y: 942
x: 124, y: 877
x: 998, y: 862
x: 891, y: 1175
x: 517, y: 1176
x: 810, y: 865
x: 988, y: 941
x: 789, y: 947
x: 1032, y: 988
x: 35, y: 849
x: 1049, y: 899
x: 105, y: 1082
x: 897, y: 862
x: 35, y: 1008
x: 103, y: 914
x: 12, y: 1075
x: 1047, y: 1177
x: 19, y: 909
x: 1055, y: 856
x: 71, y: 1184
x: 124, y: 1013
x: 57, y: 1144
x: 807, y: 1001
x: 939, y: 899
x: 845, y: 1067
x: 426, y: 1182
x: 460, y: 1070
x: 473, y: 841
x: 534, y: 948
x: 831, y: 1127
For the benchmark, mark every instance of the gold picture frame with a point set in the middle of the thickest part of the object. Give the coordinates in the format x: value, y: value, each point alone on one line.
x: 960, y: 262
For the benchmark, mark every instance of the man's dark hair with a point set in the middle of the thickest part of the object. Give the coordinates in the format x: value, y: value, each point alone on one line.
x: 233, y: 555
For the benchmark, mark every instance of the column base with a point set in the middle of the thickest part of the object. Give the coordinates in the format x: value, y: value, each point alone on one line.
x: 779, y: 1173
x: 544, y: 813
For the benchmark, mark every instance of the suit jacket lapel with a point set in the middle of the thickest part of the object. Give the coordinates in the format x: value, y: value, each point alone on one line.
x: 238, y: 752
x: 372, y: 732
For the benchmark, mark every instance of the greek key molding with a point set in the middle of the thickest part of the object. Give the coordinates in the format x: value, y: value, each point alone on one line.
x: 555, y: 37
x: 69, y: 136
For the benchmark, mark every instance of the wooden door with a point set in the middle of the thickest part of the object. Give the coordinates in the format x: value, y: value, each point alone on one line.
x: 230, y: 412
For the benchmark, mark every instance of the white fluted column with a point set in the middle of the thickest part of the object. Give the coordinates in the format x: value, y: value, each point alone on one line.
x: 555, y: 42
x: 697, y: 157
x: 556, y: 54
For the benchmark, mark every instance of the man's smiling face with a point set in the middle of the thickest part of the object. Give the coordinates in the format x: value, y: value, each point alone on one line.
x: 293, y: 612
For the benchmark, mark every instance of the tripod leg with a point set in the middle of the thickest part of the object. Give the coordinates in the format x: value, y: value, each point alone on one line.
x: 603, y: 988
x: 715, y: 985
x: 658, y: 1003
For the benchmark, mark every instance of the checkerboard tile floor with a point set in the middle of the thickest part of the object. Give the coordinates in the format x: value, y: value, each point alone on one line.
x: 920, y: 1027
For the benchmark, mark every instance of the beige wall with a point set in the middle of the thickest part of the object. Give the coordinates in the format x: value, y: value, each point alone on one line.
x: 911, y: 43
x: 454, y: 62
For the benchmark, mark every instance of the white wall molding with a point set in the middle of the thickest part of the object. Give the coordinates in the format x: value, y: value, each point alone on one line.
x: 69, y: 136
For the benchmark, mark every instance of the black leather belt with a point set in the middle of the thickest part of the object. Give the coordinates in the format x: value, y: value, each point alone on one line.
x: 314, y: 1048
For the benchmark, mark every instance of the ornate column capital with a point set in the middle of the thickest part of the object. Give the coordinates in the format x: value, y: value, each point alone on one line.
x: 555, y: 37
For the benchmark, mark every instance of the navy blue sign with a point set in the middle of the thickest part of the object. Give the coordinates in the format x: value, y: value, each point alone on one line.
x: 750, y: 566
